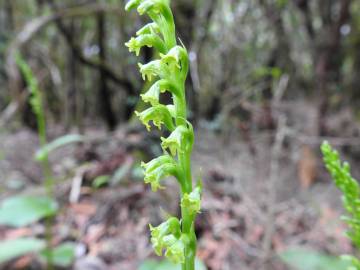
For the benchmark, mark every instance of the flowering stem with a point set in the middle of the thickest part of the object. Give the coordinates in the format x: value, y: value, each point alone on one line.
x: 176, y: 237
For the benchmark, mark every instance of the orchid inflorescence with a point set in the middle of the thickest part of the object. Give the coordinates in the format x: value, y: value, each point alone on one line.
x: 175, y: 237
x: 350, y: 188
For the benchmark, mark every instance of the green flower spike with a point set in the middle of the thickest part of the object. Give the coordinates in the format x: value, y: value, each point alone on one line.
x: 192, y: 201
x: 169, y: 72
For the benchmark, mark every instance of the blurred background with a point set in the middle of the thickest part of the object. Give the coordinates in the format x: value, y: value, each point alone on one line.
x: 269, y: 81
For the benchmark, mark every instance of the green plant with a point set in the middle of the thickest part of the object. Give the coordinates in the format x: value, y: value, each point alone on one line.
x: 19, y: 211
x: 340, y: 172
x: 175, y: 236
x: 305, y: 259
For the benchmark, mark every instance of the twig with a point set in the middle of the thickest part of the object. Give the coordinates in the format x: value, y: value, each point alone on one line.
x: 272, y: 190
x: 273, y: 182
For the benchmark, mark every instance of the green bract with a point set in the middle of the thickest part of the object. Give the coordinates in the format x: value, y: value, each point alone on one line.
x: 176, y: 238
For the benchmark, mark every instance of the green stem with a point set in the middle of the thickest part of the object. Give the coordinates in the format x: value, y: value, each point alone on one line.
x: 185, y: 163
x: 49, y: 187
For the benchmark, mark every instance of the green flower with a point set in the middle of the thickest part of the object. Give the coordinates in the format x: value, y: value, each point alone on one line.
x: 176, y: 252
x: 157, y: 169
x: 153, y: 94
x: 177, y: 57
x: 154, y: 177
x: 159, y: 115
x: 154, y: 68
x: 162, y: 234
x: 192, y: 201
x: 133, y: 45
x: 149, y: 40
x: 157, y: 162
x: 174, y: 143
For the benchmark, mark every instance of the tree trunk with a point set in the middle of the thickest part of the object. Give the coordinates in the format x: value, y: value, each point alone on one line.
x: 103, y: 91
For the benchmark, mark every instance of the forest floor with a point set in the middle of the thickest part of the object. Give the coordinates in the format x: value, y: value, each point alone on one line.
x: 258, y: 201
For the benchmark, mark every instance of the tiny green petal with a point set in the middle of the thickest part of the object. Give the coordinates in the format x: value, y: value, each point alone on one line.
x: 133, y: 46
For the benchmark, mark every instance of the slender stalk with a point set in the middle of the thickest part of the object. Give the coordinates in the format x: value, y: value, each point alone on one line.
x: 37, y: 107
x: 48, y: 183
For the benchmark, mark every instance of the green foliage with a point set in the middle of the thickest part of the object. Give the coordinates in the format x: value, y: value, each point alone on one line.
x: 301, y: 259
x: 101, y: 181
x: 24, y: 210
x: 63, y: 255
x: 44, y: 151
x: 12, y: 249
x: 174, y: 238
x: 340, y: 172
